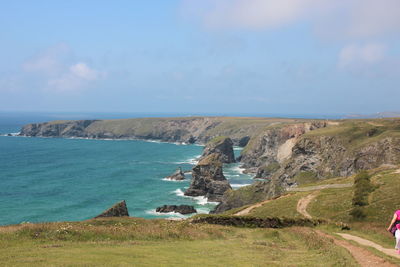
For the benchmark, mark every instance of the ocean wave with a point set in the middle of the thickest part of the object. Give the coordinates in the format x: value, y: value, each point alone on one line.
x: 171, y: 180
x: 192, y: 161
x: 10, y: 134
x: 238, y: 169
x: 201, y: 200
x: 239, y: 185
x: 173, y: 214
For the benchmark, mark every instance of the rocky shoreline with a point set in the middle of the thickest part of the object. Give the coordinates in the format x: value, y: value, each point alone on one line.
x: 282, y: 152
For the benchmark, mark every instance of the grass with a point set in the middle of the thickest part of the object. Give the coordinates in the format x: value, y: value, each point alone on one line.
x: 282, y: 207
x: 356, y: 133
x: 139, y: 242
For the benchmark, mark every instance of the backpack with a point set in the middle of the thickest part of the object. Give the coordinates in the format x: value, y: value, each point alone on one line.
x: 395, y: 227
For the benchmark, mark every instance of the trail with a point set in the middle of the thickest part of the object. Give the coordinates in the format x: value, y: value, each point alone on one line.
x: 319, y: 187
x: 364, y: 257
x: 368, y: 243
x: 257, y: 205
x: 303, y: 203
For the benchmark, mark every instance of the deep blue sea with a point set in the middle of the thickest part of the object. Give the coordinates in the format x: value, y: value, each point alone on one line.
x: 56, y: 179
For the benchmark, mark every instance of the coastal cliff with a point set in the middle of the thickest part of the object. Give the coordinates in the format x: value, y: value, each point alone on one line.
x: 339, y: 149
x: 283, y: 153
x: 208, y: 179
x: 185, y: 130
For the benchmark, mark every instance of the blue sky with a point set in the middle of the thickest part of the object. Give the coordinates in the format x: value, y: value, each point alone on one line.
x: 188, y: 56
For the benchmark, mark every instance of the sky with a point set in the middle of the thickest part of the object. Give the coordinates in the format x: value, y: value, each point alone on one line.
x: 208, y: 56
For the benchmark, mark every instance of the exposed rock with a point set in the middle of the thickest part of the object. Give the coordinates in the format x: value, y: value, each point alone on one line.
x: 57, y: 129
x: 182, y: 209
x: 221, y: 145
x: 184, y: 130
x: 244, y: 141
x: 274, y: 146
x: 208, y: 179
x: 118, y: 210
x: 178, y: 175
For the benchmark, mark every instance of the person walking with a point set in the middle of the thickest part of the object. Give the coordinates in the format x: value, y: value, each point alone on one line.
x: 394, y: 228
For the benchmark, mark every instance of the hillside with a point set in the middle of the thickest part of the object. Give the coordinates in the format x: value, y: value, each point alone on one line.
x: 283, y: 153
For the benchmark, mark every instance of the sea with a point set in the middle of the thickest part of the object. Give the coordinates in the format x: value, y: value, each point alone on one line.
x: 59, y: 179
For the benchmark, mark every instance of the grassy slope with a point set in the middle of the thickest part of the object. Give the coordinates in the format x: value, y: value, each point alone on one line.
x: 356, y: 133
x: 124, y: 242
x: 229, y: 126
x: 335, y: 205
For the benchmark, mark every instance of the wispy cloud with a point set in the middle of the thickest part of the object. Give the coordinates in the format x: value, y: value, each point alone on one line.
x: 356, y: 55
x: 59, y: 71
x: 358, y: 18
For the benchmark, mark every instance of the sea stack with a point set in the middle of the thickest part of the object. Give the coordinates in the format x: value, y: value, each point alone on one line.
x: 182, y: 209
x: 221, y: 145
x: 118, y: 210
x: 178, y: 175
x: 208, y: 179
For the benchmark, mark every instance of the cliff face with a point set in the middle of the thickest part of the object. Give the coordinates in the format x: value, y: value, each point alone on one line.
x: 337, y: 150
x: 265, y: 153
x: 188, y: 130
x: 221, y: 145
x: 57, y: 129
x: 208, y: 179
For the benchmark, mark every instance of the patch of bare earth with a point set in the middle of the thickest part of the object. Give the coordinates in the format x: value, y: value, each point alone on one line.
x: 364, y: 257
x: 257, y: 205
x: 303, y: 202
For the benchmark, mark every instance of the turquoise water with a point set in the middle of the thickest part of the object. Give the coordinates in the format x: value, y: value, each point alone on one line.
x: 55, y: 179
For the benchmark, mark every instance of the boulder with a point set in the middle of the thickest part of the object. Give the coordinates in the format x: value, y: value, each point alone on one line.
x: 182, y: 209
x: 178, y: 175
x: 208, y: 179
x: 118, y: 210
x: 221, y: 145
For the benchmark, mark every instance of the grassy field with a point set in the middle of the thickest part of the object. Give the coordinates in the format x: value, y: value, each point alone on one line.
x: 138, y: 242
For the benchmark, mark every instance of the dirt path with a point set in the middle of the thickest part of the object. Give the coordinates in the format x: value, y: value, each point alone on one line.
x: 319, y: 187
x: 365, y: 242
x: 303, y: 203
x: 257, y: 205
x: 364, y: 257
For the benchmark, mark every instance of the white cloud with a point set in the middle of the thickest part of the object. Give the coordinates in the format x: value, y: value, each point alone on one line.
x: 49, y: 61
x: 350, y: 18
x: 82, y: 71
x: 58, y: 71
x: 78, y: 77
x: 356, y: 55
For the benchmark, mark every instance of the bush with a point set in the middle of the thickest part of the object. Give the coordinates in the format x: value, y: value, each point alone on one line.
x: 362, y: 188
x: 358, y: 213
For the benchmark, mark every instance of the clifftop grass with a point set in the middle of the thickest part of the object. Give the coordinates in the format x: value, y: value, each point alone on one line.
x: 139, y: 242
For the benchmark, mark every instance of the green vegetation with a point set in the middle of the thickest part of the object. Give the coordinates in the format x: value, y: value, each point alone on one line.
x: 217, y: 139
x: 212, y: 159
x: 129, y: 241
x: 362, y: 188
x: 356, y: 133
x: 284, y: 206
x: 245, y: 195
x: 305, y: 177
x: 272, y: 167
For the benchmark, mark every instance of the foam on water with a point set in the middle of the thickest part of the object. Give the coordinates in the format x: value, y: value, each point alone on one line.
x: 239, y: 185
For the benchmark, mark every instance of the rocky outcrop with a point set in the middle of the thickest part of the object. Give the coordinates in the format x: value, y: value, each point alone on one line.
x: 221, y: 145
x: 182, y: 209
x: 118, y: 210
x: 332, y: 156
x: 208, y: 179
x: 185, y: 130
x: 57, y: 129
x: 268, y: 150
x: 339, y: 150
x: 178, y: 175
